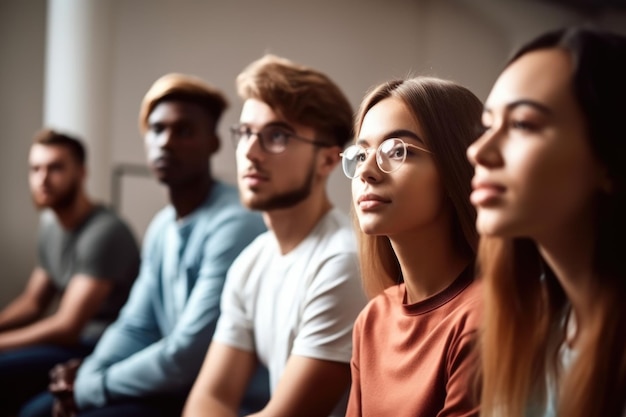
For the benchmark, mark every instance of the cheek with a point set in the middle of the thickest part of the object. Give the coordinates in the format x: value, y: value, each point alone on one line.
x: 423, y: 193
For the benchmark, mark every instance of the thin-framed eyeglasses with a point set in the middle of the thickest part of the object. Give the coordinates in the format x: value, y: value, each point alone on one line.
x: 273, y: 138
x: 390, y: 155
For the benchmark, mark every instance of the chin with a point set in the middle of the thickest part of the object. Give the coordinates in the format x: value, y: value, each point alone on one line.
x: 371, y: 229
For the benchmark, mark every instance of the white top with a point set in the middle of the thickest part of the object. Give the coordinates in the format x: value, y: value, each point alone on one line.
x: 303, y: 303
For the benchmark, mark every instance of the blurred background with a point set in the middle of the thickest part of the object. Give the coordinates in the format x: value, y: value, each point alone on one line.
x: 83, y: 66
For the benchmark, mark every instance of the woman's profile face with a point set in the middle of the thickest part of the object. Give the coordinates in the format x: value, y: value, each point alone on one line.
x: 409, y: 198
x: 534, y: 170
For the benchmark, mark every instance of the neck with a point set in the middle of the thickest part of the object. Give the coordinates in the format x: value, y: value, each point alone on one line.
x: 292, y: 225
x: 569, y: 253
x: 73, y: 215
x: 428, y: 259
x: 188, y: 197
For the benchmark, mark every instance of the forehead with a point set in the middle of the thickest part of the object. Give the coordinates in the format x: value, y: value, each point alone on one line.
x: 543, y: 75
x: 48, y: 154
x: 385, y: 117
x: 172, y: 111
x: 257, y: 114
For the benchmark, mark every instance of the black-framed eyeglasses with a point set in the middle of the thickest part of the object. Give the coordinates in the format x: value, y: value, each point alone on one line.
x: 273, y: 139
x: 390, y: 155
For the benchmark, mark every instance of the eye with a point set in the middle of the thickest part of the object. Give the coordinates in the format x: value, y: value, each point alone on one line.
x: 394, y: 151
x: 360, y: 156
x: 276, y: 136
x: 156, y: 128
x: 523, y: 125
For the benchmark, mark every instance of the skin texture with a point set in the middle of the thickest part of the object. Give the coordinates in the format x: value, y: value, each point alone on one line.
x: 534, y: 171
x: 178, y: 142
x: 55, y: 178
x: 406, y: 199
x: 261, y: 184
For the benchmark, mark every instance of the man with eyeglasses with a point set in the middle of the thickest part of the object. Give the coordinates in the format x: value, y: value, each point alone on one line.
x: 292, y: 296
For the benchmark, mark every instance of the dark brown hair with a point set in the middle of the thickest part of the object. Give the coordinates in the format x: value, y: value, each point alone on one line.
x: 50, y: 137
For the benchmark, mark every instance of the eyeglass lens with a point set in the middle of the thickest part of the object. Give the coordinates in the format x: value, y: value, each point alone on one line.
x: 389, y: 156
x: 273, y: 139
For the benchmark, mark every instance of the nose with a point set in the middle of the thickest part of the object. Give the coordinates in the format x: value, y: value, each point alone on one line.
x: 368, y: 170
x: 251, y: 146
x: 486, y: 150
x: 39, y: 177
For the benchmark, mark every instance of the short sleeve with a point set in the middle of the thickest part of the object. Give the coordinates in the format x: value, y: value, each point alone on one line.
x: 333, y: 302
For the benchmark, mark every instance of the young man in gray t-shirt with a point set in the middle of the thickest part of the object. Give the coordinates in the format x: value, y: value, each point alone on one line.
x: 88, y: 258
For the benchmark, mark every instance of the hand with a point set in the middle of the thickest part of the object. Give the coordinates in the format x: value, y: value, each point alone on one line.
x: 61, y: 386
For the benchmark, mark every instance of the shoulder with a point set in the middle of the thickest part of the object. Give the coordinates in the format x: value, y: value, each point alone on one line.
x: 105, y: 225
x: 467, y: 313
x: 335, y: 234
x: 382, y: 304
x: 224, y: 206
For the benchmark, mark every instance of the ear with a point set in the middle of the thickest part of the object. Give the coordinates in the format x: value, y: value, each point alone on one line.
x: 328, y: 158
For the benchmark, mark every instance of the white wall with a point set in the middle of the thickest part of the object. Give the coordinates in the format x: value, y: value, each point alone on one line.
x: 359, y: 43
x: 22, y: 29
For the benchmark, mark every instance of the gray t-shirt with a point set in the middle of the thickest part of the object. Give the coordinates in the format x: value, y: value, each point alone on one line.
x: 102, y: 247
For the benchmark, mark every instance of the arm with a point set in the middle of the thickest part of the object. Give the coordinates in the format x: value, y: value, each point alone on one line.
x: 462, y: 387
x: 308, y: 387
x: 222, y: 381
x: 30, y: 304
x: 82, y: 299
x: 354, y: 401
x: 171, y: 363
x: 317, y: 373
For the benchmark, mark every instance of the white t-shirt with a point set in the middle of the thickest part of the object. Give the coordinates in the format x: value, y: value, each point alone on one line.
x: 303, y: 303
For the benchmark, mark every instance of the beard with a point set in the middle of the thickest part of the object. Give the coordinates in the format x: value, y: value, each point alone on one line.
x: 61, y: 200
x: 286, y: 199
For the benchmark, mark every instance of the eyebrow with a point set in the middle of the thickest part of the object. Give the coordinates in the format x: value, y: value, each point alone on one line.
x: 524, y: 102
x: 275, y: 123
x: 400, y: 133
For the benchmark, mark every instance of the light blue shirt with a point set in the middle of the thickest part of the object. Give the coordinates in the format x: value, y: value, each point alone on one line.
x: 158, y: 343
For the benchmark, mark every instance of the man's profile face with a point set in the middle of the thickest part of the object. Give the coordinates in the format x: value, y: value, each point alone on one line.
x: 179, y: 141
x: 55, y: 176
x: 273, y: 181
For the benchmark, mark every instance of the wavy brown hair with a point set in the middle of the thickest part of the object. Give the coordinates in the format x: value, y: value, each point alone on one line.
x: 301, y: 95
x: 449, y: 115
x: 525, y: 306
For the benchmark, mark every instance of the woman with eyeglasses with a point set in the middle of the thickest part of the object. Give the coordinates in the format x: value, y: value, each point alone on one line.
x: 550, y: 189
x: 413, y: 343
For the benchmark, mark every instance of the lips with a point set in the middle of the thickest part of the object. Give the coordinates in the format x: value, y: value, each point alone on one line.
x: 254, y: 177
x: 486, y: 192
x: 368, y: 202
x: 162, y: 162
